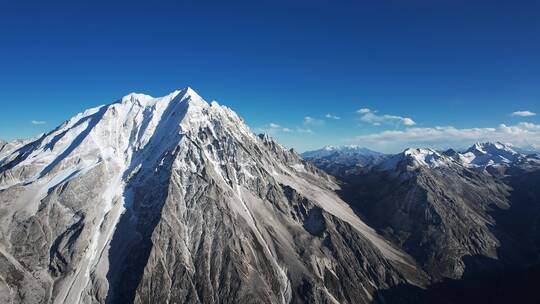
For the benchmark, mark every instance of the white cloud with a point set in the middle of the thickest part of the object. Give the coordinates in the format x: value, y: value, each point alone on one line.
x: 408, y: 122
x: 38, y: 122
x: 521, y: 135
x: 523, y: 113
x: 331, y: 116
x: 308, y: 120
x: 273, y: 128
x: 301, y: 130
x: 369, y: 116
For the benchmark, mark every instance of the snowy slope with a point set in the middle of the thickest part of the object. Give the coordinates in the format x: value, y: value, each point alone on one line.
x: 486, y: 154
x: 6, y: 147
x: 413, y: 158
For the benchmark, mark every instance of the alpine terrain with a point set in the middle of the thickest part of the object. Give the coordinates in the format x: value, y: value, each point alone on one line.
x: 175, y: 200
x: 343, y: 160
x: 471, y: 219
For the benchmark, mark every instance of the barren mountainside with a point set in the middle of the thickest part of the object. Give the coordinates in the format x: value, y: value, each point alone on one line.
x: 471, y: 220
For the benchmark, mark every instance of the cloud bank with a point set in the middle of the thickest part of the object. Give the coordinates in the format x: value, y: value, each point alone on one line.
x: 274, y: 128
x: 371, y: 117
x: 523, y: 134
x: 523, y: 113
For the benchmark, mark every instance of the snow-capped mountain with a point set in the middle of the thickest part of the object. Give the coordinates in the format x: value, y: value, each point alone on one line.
x: 350, y: 150
x: 340, y: 160
x: 413, y: 158
x: 175, y: 200
x: 480, y: 155
x: 489, y: 154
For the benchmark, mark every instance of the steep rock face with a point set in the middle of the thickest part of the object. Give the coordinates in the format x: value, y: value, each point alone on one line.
x: 175, y: 200
x: 432, y: 206
x: 511, y: 275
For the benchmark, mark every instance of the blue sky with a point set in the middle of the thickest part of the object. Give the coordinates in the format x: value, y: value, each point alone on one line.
x: 431, y: 73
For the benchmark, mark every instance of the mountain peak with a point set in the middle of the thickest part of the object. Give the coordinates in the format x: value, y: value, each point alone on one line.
x: 329, y: 148
x: 490, y: 153
x: 485, y: 147
x: 426, y: 157
x: 412, y: 158
x: 185, y: 94
x: 190, y: 91
x: 135, y: 96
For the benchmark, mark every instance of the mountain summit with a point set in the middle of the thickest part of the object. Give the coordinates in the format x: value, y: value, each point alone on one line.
x: 175, y: 200
x: 484, y: 154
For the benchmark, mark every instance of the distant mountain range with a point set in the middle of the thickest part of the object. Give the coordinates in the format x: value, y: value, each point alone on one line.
x: 339, y: 160
x: 350, y: 150
x: 471, y: 219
